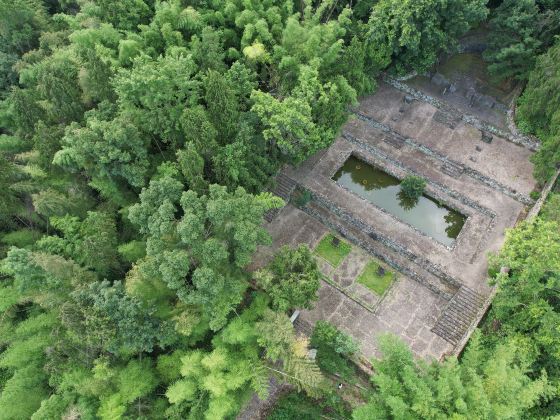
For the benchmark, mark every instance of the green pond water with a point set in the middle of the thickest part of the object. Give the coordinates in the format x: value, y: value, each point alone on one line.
x: 425, y: 214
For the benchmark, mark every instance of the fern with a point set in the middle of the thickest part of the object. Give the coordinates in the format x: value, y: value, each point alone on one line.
x: 260, y: 381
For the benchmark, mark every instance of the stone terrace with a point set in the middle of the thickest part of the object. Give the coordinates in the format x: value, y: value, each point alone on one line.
x: 439, y: 290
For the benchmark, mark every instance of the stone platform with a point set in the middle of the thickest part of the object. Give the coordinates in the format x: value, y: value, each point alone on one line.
x: 486, y: 178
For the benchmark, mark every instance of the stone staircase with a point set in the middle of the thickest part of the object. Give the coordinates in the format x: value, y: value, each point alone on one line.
x: 284, y: 187
x: 459, y: 315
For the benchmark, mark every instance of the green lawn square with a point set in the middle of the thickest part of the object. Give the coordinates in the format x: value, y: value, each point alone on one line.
x: 373, y: 281
x: 333, y: 254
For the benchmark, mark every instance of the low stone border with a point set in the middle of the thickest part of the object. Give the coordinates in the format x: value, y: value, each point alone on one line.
x: 425, y: 264
x: 399, y: 249
x: 473, y: 173
x: 382, y: 210
x: 350, y: 295
x: 446, y: 190
x: 469, y: 119
x: 536, y: 209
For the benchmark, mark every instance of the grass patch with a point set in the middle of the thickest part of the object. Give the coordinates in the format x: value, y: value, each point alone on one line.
x: 373, y: 280
x: 333, y: 254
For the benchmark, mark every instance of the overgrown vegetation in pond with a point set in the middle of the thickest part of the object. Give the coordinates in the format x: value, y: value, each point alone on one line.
x: 376, y: 277
x: 412, y: 187
x: 333, y: 249
x: 404, y: 201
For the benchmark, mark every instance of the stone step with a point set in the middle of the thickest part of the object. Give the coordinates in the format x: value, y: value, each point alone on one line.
x: 383, y: 248
x: 459, y: 315
x: 283, y: 188
x: 453, y: 113
x: 451, y: 166
x: 303, y: 327
x: 271, y: 214
x: 453, y: 170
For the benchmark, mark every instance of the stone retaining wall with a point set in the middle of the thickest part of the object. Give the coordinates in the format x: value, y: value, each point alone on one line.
x: 520, y: 140
x: 473, y: 173
x: 535, y: 210
x: 446, y: 190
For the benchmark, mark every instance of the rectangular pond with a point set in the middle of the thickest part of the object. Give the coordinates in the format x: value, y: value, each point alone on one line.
x: 378, y: 187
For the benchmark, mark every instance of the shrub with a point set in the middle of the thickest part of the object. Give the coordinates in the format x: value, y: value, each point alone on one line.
x: 332, y: 348
x: 302, y: 198
x: 326, y: 334
x: 551, y: 209
x: 21, y: 238
x: 412, y: 187
x: 292, y: 278
x: 132, y: 251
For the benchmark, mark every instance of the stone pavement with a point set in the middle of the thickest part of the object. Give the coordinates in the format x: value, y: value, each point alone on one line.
x: 408, y: 309
x: 346, y: 274
x: 486, y: 178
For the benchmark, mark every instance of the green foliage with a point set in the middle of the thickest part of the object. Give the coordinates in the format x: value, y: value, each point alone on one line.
x: 91, y: 242
x: 525, y: 308
x: 22, y: 22
x: 333, y: 249
x: 514, y: 42
x: 201, y: 255
x: 413, y: 33
x: 21, y: 238
x: 412, y: 187
x: 23, y: 393
x: 127, y: 14
x: 276, y: 334
x: 132, y: 251
x: 327, y: 335
x: 301, y: 198
x: 308, y: 120
x: 490, y: 383
x: 333, y: 347
x: 537, y: 111
x: 551, y: 208
x: 139, y: 135
x: 292, y: 278
x: 105, y: 149
x: 153, y: 93
x: 295, y: 405
x: 113, y: 320
x: 9, y: 200
x: 526, y: 302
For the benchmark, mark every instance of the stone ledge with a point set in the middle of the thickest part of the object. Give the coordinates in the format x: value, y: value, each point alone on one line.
x: 473, y: 173
x: 520, y: 140
x: 448, y: 191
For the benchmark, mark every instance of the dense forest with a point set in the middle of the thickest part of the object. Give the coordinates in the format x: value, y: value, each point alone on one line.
x: 138, y: 139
